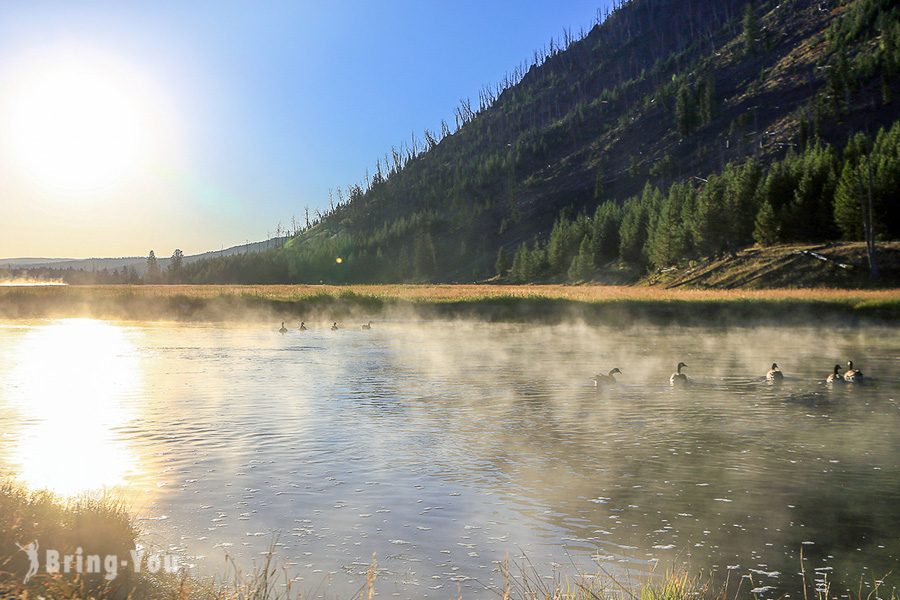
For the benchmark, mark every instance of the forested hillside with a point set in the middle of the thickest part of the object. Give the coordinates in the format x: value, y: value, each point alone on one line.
x: 670, y: 130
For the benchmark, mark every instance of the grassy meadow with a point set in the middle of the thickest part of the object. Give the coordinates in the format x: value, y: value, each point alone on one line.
x: 609, y: 304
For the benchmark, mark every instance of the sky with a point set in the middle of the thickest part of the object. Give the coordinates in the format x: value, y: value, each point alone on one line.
x: 130, y: 126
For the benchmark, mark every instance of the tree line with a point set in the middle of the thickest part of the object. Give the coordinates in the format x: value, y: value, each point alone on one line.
x: 816, y: 194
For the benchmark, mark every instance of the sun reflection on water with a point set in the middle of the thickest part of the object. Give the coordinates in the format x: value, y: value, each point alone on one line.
x: 71, y: 382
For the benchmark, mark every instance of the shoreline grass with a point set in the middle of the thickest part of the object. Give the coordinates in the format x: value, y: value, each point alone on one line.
x: 104, y: 526
x: 600, y: 304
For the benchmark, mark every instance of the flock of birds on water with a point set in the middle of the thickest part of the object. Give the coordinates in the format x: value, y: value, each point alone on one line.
x: 851, y: 375
x: 334, y: 327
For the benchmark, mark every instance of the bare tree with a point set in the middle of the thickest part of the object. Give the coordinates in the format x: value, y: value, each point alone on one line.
x: 869, y: 226
x: 430, y: 139
x: 415, y: 145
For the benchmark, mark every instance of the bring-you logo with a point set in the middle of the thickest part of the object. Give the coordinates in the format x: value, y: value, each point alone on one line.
x: 53, y: 562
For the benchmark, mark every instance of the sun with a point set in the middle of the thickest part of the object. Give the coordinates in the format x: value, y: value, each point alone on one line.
x: 75, y: 124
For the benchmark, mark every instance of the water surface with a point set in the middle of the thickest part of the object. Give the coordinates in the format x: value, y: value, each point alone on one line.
x: 443, y: 447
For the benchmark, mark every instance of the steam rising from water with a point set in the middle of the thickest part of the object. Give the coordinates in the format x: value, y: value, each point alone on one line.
x: 19, y: 282
x: 442, y: 446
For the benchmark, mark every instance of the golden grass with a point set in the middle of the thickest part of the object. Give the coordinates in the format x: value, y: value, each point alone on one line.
x: 490, y: 302
x: 450, y: 292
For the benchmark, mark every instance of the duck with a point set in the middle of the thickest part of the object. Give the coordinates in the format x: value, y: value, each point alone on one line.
x: 302, y: 326
x: 334, y: 327
x: 774, y: 373
x: 367, y: 325
x: 283, y: 329
x: 608, y: 379
x: 678, y: 378
x: 835, y: 377
x: 852, y: 374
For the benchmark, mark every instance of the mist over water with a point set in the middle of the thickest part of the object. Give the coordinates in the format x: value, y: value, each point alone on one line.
x: 443, y: 446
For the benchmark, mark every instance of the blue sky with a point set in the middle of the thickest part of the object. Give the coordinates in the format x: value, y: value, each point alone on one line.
x: 275, y: 102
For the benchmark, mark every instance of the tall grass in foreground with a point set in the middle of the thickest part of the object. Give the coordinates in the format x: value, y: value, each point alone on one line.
x: 103, y: 526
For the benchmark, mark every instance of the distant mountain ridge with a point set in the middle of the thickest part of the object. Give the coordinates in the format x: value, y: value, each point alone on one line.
x: 29, y: 261
x: 139, y: 263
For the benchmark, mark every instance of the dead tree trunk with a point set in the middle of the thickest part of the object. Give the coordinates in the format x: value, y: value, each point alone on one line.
x: 869, y: 227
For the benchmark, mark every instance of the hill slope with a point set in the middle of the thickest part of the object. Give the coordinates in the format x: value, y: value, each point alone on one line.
x: 838, y: 265
x: 674, y: 129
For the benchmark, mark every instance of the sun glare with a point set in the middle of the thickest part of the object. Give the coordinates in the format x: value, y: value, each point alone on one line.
x: 71, y: 384
x: 77, y: 123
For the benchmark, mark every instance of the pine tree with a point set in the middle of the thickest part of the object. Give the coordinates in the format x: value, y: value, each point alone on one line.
x: 741, y: 197
x: 582, y: 266
x: 885, y: 178
x: 685, y: 109
x: 751, y: 31
x: 875, y: 174
x: 176, y: 266
x: 811, y: 213
x: 633, y: 231
x: 706, y: 99
x: 605, y: 232
x: 424, y: 258
x: 558, y: 246
x: 501, y: 265
x: 766, y: 229
x: 847, y: 206
x: 803, y: 136
x: 667, y: 238
x: 598, y: 186
x: 519, y: 270
x: 710, y: 225
x: 536, y: 263
x: 153, y: 271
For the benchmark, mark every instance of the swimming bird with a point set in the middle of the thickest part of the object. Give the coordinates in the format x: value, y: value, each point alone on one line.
x: 334, y: 327
x: 283, y: 329
x: 302, y: 326
x: 852, y: 374
x: 836, y: 376
x: 608, y: 379
x: 678, y: 378
x: 774, y: 373
x: 367, y: 325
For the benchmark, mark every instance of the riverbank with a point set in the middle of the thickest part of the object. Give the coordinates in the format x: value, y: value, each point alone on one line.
x: 103, y: 527
x: 102, y: 539
x: 617, y: 305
